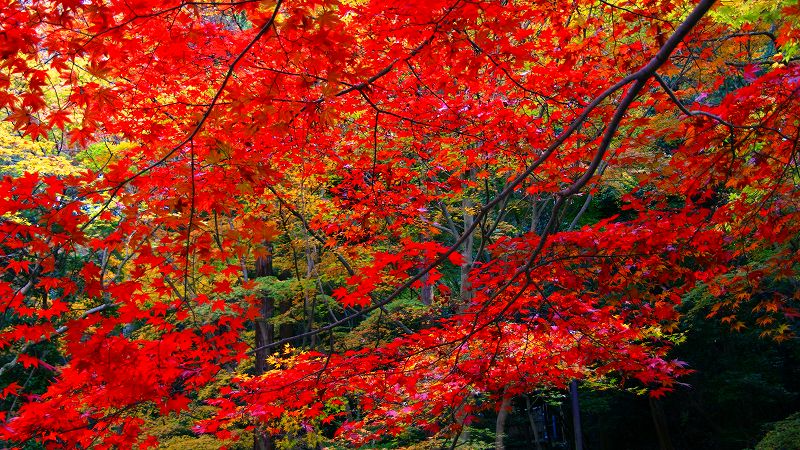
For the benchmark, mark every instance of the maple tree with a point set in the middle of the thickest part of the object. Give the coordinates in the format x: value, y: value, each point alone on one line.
x: 383, y: 202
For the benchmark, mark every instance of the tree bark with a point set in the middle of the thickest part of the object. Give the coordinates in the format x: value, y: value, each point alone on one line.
x: 468, y: 247
x: 576, y: 415
x: 536, y: 437
x: 500, y: 426
x: 426, y: 291
x: 660, y: 422
x: 265, y: 335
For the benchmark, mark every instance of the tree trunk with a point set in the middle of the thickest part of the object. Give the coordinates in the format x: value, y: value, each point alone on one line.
x: 576, y: 415
x: 467, y: 248
x: 536, y: 437
x: 265, y: 335
x: 660, y: 422
x: 500, y: 426
x: 426, y: 291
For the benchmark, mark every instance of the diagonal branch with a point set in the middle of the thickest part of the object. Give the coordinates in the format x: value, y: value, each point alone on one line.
x: 639, y: 78
x: 714, y: 117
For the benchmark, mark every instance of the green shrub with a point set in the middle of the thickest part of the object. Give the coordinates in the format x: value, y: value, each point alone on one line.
x: 784, y: 435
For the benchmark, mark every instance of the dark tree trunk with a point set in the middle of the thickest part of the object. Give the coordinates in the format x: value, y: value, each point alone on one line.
x: 426, y: 291
x: 265, y: 335
x: 467, y: 247
x: 536, y: 437
x: 576, y: 415
x: 660, y: 422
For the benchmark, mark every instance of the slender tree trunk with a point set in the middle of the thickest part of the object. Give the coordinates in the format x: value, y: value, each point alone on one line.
x: 466, y: 253
x: 588, y: 200
x: 310, y: 304
x: 535, y: 429
x: 576, y: 415
x: 465, y: 288
x: 467, y: 248
x: 265, y: 335
x: 535, y: 212
x: 660, y: 422
x: 500, y: 426
x: 426, y: 292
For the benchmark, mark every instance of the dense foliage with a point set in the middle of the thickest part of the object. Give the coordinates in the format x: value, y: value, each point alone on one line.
x: 306, y: 223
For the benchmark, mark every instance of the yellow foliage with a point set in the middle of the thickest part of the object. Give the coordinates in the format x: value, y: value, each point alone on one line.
x: 20, y: 154
x: 204, y: 442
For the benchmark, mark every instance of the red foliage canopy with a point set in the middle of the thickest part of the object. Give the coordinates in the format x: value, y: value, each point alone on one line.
x: 370, y: 121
